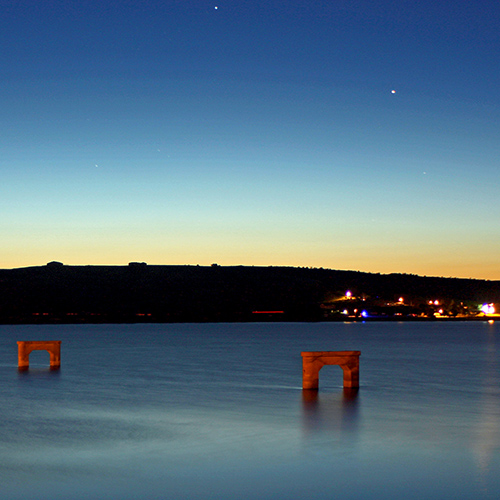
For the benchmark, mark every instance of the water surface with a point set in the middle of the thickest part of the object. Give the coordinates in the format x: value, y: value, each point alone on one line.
x: 201, y: 411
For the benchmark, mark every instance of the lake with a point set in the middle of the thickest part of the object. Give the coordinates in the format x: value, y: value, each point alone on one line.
x: 217, y: 411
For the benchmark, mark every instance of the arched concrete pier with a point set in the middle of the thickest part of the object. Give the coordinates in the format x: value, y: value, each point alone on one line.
x: 25, y: 347
x: 313, y: 361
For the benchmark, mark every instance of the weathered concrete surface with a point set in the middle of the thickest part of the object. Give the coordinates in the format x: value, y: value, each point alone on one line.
x: 313, y: 361
x: 25, y: 347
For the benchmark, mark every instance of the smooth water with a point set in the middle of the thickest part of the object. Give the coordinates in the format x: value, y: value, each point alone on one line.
x: 216, y: 411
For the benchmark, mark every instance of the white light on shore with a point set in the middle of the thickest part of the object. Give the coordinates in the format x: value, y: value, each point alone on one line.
x: 488, y: 309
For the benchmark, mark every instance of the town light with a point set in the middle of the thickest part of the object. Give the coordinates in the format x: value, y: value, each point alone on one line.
x: 488, y: 309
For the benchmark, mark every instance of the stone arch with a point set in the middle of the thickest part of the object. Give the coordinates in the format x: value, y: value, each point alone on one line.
x: 25, y: 347
x: 313, y: 361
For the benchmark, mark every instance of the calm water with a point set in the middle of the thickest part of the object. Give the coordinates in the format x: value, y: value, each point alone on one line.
x: 217, y: 412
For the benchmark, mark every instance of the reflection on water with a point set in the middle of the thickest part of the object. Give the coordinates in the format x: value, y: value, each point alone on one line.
x: 486, y: 434
x: 325, y: 413
x: 38, y: 373
x: 217, y: 411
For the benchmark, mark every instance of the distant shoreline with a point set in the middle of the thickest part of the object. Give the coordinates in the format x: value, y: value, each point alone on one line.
x: 484, y: 319
x: 140, y: 293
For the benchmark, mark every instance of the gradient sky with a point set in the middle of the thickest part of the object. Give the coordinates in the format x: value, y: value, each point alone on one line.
x: 252, y: 132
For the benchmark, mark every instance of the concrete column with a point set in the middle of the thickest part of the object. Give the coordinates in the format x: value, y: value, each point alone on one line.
x: 351, y: 374
x: 310, y: 372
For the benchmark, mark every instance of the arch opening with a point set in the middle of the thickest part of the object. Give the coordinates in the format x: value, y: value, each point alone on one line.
x: 331, y: 375
x: 39, y: 358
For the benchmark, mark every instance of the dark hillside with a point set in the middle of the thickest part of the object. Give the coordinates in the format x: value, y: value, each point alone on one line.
x: 138, y: 292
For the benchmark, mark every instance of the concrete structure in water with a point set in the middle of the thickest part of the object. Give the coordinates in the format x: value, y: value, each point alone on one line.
x: 313, y: 361
x: 25, y: 347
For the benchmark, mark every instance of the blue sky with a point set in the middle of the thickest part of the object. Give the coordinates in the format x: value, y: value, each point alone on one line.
x: 254, y: 133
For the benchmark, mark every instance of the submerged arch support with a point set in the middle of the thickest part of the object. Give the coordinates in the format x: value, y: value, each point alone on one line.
x: 25, y: 347
x: 313, y: 361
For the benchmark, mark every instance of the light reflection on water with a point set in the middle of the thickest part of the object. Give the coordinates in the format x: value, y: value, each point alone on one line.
x: 217, y: 411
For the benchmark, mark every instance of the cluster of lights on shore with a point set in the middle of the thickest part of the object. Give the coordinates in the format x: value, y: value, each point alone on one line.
x: 485, y: 308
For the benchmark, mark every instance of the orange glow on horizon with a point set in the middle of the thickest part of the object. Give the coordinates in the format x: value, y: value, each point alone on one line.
x: 18, y: 256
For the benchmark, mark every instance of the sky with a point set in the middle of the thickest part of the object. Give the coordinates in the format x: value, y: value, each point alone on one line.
x: 359, y: 135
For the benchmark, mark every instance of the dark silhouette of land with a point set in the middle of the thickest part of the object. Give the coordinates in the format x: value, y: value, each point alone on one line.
x: 56, y: 293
